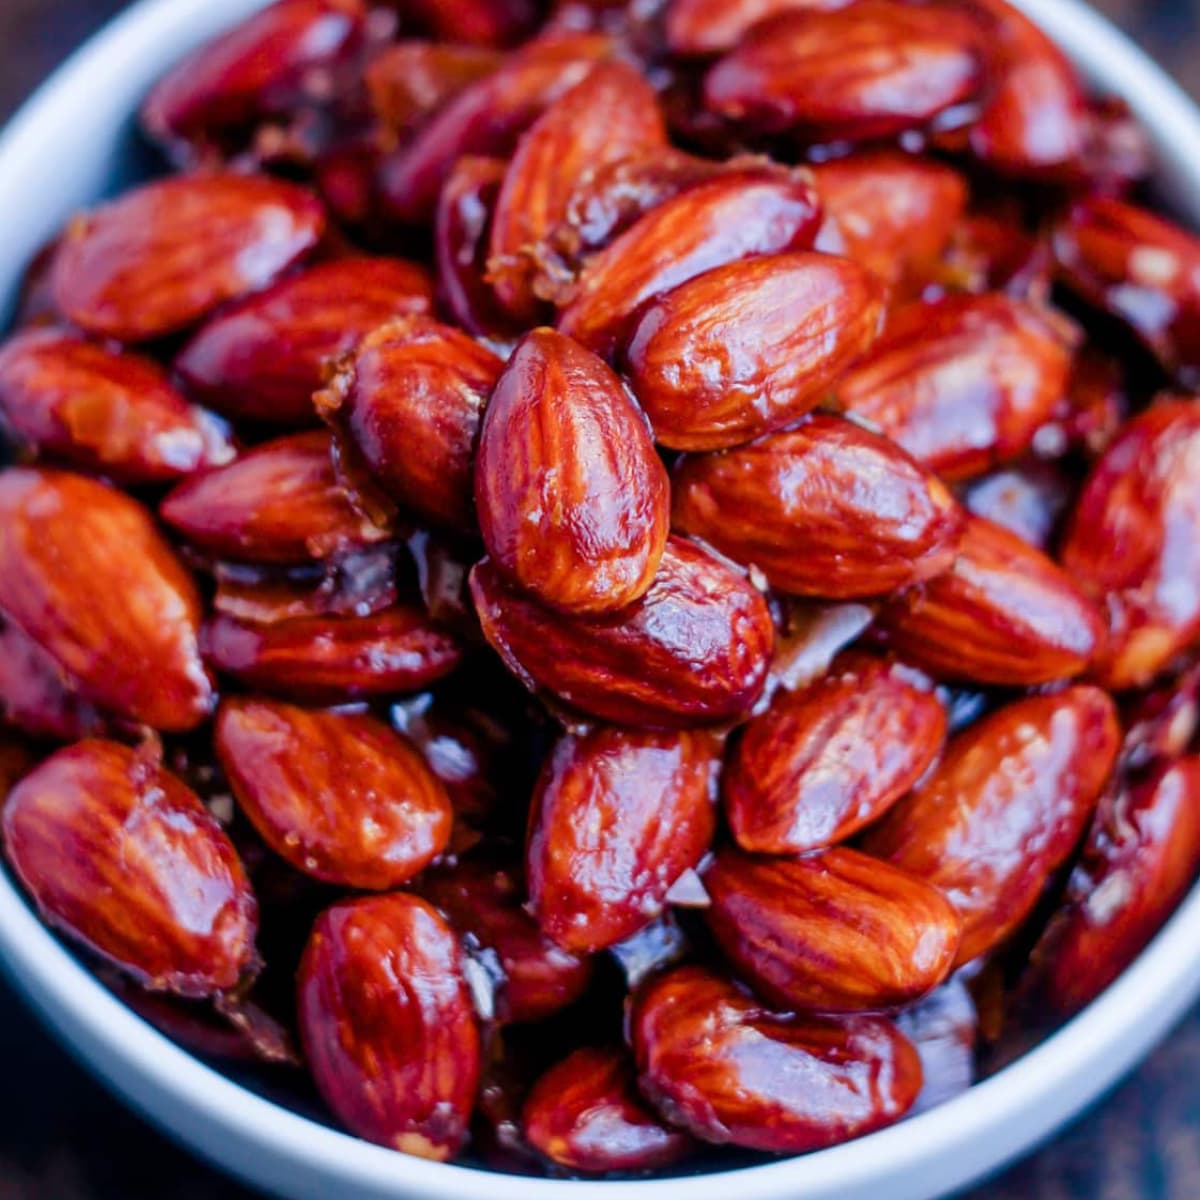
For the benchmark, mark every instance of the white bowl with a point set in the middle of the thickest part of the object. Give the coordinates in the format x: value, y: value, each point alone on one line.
x: 72, y: 143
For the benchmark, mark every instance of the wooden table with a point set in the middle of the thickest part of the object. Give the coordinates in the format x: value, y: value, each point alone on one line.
x: 62, y: 1137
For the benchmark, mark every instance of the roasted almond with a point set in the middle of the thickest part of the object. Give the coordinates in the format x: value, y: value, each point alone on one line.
x: 698, y: 27
x: 86, y: 575
x: 110, y: 412
x: 159, y: 258
x: 1004, y: 809
x: 338, y: 795
x: 412, y: 79
x: 387, y: 1025
x: 825, y: 760
x: 826, y: 509
x: 728, y: 1069
x: 262, y: 359
x: 573, y: 502
x: 123, y: 858
x: 749, y: 347
x: 833, y: 932
x: 694, y: 649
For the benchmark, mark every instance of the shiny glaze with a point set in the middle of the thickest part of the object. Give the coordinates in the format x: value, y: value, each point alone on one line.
x: 944, y: 1028
x: 332, y: 659
x: 749, y: 347
x: 410, y: 404
x: 123, y: 858
x: 617, y: 817
x: 474, y: 22
x: 1004, y: 809
x: 586, y: 1113
x: 733, y: 216
x: 1028, y: 499
x: 826, y: 509
x: 694, y: 649
x: 1004, y: 613
x: 132, y: 648
x: 164, y: 255
x: 824, y: 760
x: 702, y: 27
x: 870, y: 70
x: 113, y: 413
x: 1132, y: 541
x: 279, y: 503
x: 962, y: 383
x: 387, y: 1024
x: 338, y: 795
x: 484, y: 900
x: 262, y: 359
x: 410, y: 80
x: 573, y: 502
x: 832, y: 932
x: 728, y: 1069
x: 610, y: 115
x: 1141, y: 856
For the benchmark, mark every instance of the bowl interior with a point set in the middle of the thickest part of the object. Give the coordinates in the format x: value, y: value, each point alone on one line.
x: 73, y: 143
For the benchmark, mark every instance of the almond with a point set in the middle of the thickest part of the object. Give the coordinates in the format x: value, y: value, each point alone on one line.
x: 338, y: 795
x: 825, y: 760
x: 1004, y: 809
x: 573, y: 502
x: 262, y: 359
x: 699, y: 27
x: 126, y: 860
x: 944, y: 1028
x: 475, y: 22
x: 98, y: 409
x: 826, y: 509
x: 749, y: 347
x: 86, y: 575
x: 387, y: 1025
x: 1003, y: 614
x: 161, y: 257
x: 694, y: 649
x: 1028, y: 500
x: 724, y: 1067
x: 832, y: 932
x: 411, y: 80
x: 617, y: 817
x: 280, y: 503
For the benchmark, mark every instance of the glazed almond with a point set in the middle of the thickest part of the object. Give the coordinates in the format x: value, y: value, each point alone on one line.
x: 710, y: 26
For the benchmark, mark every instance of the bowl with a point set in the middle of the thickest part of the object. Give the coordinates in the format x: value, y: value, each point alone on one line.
x: 73, y: 143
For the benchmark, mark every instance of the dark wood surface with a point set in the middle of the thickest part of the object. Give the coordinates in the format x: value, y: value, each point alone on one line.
x: 62, y: 1137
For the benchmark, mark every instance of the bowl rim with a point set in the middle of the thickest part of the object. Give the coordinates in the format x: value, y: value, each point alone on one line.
x: 928, y: 1155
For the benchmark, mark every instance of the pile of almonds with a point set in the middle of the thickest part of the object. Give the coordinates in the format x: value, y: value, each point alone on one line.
x: 609, y: 579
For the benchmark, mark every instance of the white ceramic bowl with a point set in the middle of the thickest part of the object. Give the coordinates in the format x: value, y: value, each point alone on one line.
x: 72, y: 143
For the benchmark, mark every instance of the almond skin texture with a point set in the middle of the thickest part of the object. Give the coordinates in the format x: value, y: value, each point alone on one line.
x: 161, y: 257
x: 832, y: 932
x: 410, y: 404
x: 338, y: 795
x: 113, y: 413
x: 866, y: 71
x: 694, y: 649
x: 617, y: 817
x: 387, y: 1024
x: 825, y: 760
x: 86, y: 575
x: 486, y: 118
x: 331, y: 659
x: 700, y: 27
x: 255, y: 70
x: 573, y: 502
x: 485, y: 902
x: 962, y: 383
x: 749, y: 347
x: 585, y: 1113
x: 123, y: 858
x: 720, y: 1064
x: 1004, y: 809
x: 826, y: 509
x: 725, y: 219
x: 1132, y: 542
x: 888, y: 211
x: 1140, y: 858
x: 262, y: 359
x: 610, y: 115
x: 412, y: 79
x: 1003, y: 614
x: 280, y: 503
